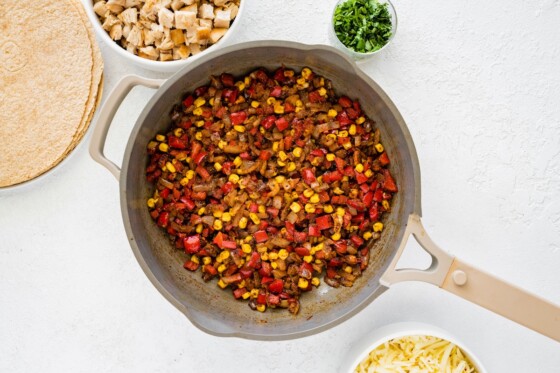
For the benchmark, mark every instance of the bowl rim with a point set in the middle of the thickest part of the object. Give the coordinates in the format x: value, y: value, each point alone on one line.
x: 169, y: 66
x: 340, y: 45
x: 378, y: 336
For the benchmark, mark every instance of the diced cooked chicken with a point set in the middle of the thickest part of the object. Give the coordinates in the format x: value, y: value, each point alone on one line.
x: 206, y: 11
x: 132, y: 3
x: 132, y: 49
x: 177, y: 36
x: 183, y: 19
x: 129, y: 16
x: 177, y: 4
x: 115, y: 6
x: 148, y: 10
x: 233, y: 9
x: 166, y: 17
x: 148, y: 52
x: 222, y: 19
x: 216, y: 34
x: 135, y: 36
x: 205, y: 23
x: 191, y: 33
x: 100, y: 8
x: 165, y: 43
x: 110, y: 21
x: 195, y: 49
x: 181, y: 53
x: 157, y: 30
x: 203, y: 34
x: 166, y: 55
x: 219, y: 3
x: 193, y: 8
x: 116, y: 32
x: 126, y: 31
x: 190, y: 2
x: 149, y: 38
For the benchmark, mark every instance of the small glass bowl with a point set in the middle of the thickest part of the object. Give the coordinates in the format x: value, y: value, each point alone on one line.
x: 357, y: 55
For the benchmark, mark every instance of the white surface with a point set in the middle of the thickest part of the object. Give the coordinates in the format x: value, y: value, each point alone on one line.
x: 478, y: 84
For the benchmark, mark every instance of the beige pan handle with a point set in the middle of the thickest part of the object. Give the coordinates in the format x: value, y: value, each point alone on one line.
x: 107, y: 113
x: 475, y: 285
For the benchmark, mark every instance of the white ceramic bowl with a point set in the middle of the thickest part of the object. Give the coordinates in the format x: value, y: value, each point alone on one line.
x: 163, y: 66
x: 352, y: 53
x: 363, y: 347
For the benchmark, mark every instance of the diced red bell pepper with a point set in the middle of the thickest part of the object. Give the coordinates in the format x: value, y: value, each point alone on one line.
x: 227, y: 80
x: 188, y: 101
x: 204, y: 174
x: 261, y: 298
x: 279, y: 75
x: 361, y: 178
x: 266, y: 269
x: 324, y: 222
x: 273, y: 211
x: 276, y: 286
x: 209, y: 268
x: 352, y: 113
x: 302, y: 251
x: 238, y: 293
x: 245, y: 156
x: 190, y: 265
x: 332, y: 176
x: 308, y: 176
x: 331, y: 273
x: 226, y: 167
x: 230, y: 94
x: 164, y: 193
x: 192, y: 244
x: 282, y: 124
x: 389, y: 182
x: 373, y: 213
x: 260, y: 236
x: 378, y: 195
x: 253, y: 207
x: 314, y: 231
x: 195, y: 148
x: 290, y: 227
x: 339, y: 200
x: 345, y: 102
x: 289, y: 108
x: 315, y: 97
x: 273, y: 299
x: 265, y: 155
x: 232, y: 278
x: 253, y: 261
x: 368, y: 198
x: 228, y: 187
x: 305, y: 270
x: 335, y: 262
x: 163, y: 218
x: 200, y: 91
x: 384, y: 159
x: 300, y: 237
x: 238, y: 117
x: 199, y: 157
x: 177, y: 143
x: 357, y: 240
x: 339, y: 164
x: 276, y: 91
x: 343, y: 119
x: 348, y: 170
x: 261, y: 76
x: 341, y: 247
x: 268, y: 122
x: 357, y: 204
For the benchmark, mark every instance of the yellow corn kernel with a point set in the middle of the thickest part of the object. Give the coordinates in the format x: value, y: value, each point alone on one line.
x: 152, y: 145
x: 347, y: 145
x: 261, y: 307
x: 336, y: 236
x: 190, y: 174
x: 221, y: 268
x: 237, y: 161
x: 239, y: 128
x: 226, y: 216
x: 294, y: 195
x: 197, y: 111
x: 367, y: 235
x: 221, y: 144
x: 178, y: 132
x: 248, y: 238
x: 222, y: 284
x: 315, y: 281
x: 306, y: 72
x: 273, y: 256
x: 217, y: 166
x: 262, y: 248
x: 302, y: 283
x: 152, y: 203
x: 254, y: 293
x: 328, y: 209
x: 274, y: 265
x: 240, y: 100
x: 198, y: 136
x: 217, y: 225
x: 247, y: 80
x: 314, y: 198
x: 254, y: 218
x: 262, y: 130
x: 243, y: 222
x: 316, y: 248
x: 385, y: 204
x: 199, y: 123
x: 206, y: 260
x: 218, y: 213
x: 309, y: 208
x: 224, y: 255
x: 184, y: 181
x: 340, y: 211
x: 295, y: 207
x: 342, y: 133
x: 308, y: 258
x: 297, y: 151
x: 348, y: 269
x: 378, y: 227
x: 242, y: 284
x: 291, y: 166
x: 163, y: 147
x: 299, y: 103
x: 280, y: 179
x: 359, y: 167
x: 275, y: 146
x: 331, y: 136
x: 331, y: 157
x: 288, y: 73
x: 240, y: 86
x: 160, y: 137
x: 283, y: 254
x: 368, y: 173
x: 264, y: 256
x: 199, y: 102
x: 278, y: 108
x: 337, y: 190
x: 255, y: 104
x: 280, y: 163
x: 201, y: 210
x: 379, y: 148
x: 271, y: 100
x: 308, y: 193
x: 322, y: 91
x: 211, y: 101
x: 253, y: 195
x: 352, y: 129
x: 301, y: 81
x: 332, y: 113
x: 246, y: 295
x: 246, y: 248
x: 360, y: 120
x: 262, y: 209
x: 283, y: 156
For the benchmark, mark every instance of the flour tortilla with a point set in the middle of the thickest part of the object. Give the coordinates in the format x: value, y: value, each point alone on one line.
x: 46, y: 71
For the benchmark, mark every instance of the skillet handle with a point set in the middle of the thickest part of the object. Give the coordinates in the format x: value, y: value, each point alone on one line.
x: 474, y: 285
x: 107, y: 113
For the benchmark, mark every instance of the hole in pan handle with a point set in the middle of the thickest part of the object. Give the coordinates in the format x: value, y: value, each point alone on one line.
x: 107, y: 113
x: 474, y: 285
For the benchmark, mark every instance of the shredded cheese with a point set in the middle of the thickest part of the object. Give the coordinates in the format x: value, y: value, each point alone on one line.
x: 416, y: 354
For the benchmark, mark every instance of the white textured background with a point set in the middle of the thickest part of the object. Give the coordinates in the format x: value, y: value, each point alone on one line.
x: 478, y: 83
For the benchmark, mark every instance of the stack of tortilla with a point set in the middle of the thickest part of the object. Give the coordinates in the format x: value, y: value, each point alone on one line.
x: 50, y: 84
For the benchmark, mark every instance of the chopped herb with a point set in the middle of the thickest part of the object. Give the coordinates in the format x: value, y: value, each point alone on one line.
x: 362, y: 25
